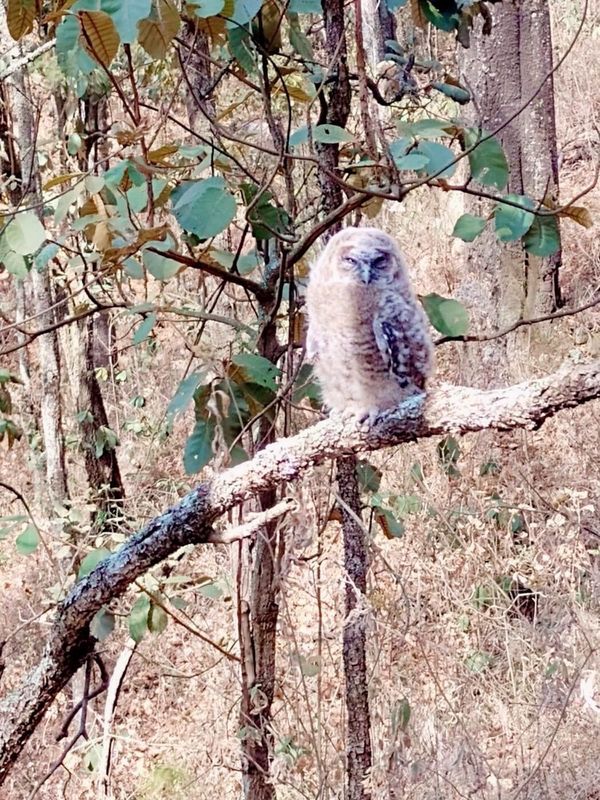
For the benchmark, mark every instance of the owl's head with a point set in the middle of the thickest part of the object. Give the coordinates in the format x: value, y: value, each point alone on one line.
x: 363, y: 255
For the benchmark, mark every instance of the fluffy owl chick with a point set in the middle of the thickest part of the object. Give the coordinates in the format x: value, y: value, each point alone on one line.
x: 367, y: 333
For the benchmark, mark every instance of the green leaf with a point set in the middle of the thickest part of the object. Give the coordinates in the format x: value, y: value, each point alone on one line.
x: 299, y: 136
x: 444, y: 20
x: 415, y: 161
x: 244, y: 11
x: 392, y: 527
x: 426, y: 128
x: 184, y: 394
x: 305, y: 7
x: 27, y: 541
x: 210, y: 589
x: 102, y: 624
x: 400, y: 715
x: 448, y: 451
x: 143, y: 330
x: 242, y: 48
x: 392, y: 5
x: 207, y: 8
x: 91, y: 561
x: 309, y: 667
x: 203, y: 207
x: 47, y: 253
x: 15, y: 264
x: 478, y: 661
x: 198, y: 449
x: 299, y: 41
x: 161, y: 267
x: 441, y: 159
x: 106, y: 439
x: 512, y: 223
x: 447, y: 316
x: 126, y: 16
x: 468, y: 227
x: 138, y: 618
x: 331, y: 134
x: 543, y: 238
x: 487, y: 161
x: 456, y: 93
x: 369, y: 477
x: 157, y: 619
x: 257, y: 369
x: 25, y: 233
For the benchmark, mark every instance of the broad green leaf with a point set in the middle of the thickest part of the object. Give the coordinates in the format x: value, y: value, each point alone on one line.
x: 198, y: 449
x: 305, y: 7
x: 426, y: 128
x: 15, y: 264
x: 71, y: 57
x: 400, y: 715
x: 468, y: 227
x: 159, y: 266
x: 309, y: 667
x: 392, y: 527
x: 242, y: 48
x: 74, y: 143
x: 184, y: 394
x: 91, y: 561
x: 102, y: 624
x: 448, y: 451
x: 512, y: 223
x: 244, y: 11
x: 47, y: 253
x: 157, y: 619
x: 299, y: 41
x: 487, y: 161
x: 441, y: 159
x: 143, y: 330
x: 331, y: 134
x: 210, y: 589
x: 126, y: 16
x: 543, y: 237
x: 207, y: 8
x: 447, y: 316
x: 258, y: 369
x: 456, y: 93
x: 369, y: 477
x: 299, y: 136
x: 203, y: 207
x: 415, y: 161
x: 25, y: 233
x: 392, y: 5
x: 28, y: 541
x: 138, y: 618
x: 444, y: 20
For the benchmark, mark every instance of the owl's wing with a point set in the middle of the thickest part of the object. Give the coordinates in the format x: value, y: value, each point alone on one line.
x: 403, y: 343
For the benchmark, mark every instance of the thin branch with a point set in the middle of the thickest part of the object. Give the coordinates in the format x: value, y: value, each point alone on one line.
x: 486, y: 337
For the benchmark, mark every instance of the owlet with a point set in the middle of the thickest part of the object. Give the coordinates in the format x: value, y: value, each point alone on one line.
x: 367, y: 333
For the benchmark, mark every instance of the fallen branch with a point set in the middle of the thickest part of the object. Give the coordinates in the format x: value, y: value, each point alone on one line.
x: 449, y: 409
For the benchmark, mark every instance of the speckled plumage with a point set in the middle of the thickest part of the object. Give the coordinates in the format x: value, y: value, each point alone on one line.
x: 367, y: 333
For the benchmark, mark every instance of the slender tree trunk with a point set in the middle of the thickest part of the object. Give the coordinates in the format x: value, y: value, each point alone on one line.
x: 335, y: 111
x: 21, y: 106
x: 258, y: 632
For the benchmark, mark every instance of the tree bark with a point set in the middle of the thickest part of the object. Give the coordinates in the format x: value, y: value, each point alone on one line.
x: 504, y: 71
x: 24, y: 135
x: 449, y: 410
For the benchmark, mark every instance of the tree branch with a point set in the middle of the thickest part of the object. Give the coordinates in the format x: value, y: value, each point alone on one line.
x: 454, y: 409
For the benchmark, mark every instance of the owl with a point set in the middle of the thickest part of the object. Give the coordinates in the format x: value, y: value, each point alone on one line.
x: 367, y: 333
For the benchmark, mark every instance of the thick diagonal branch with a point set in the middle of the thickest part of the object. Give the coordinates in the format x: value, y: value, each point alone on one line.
x: 449, y: 409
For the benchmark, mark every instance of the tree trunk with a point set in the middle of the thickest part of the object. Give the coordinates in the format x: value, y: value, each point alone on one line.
x: 18, y: 97
x: 503, y: 71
